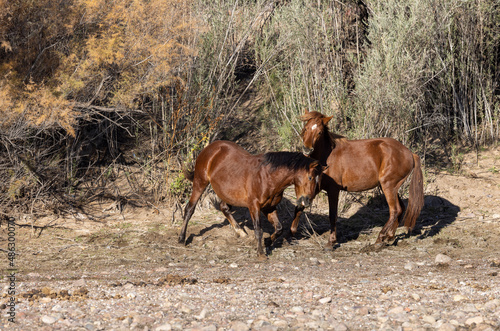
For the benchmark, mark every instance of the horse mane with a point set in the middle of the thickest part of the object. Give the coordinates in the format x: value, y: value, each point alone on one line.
x: 291, y: 160
x: 336, y: 139
x: 312, y: 114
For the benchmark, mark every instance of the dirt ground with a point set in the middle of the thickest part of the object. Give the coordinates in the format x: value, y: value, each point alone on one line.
x: 86, y: 257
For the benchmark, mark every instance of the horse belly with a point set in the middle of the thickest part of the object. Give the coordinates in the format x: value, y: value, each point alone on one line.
x: 231, y: 189
x: 354, y: 182
x: 354, y: 176
x: 229, y: 174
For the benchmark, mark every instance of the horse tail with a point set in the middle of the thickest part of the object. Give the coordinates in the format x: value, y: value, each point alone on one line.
x: 416, y: 195
x: 188, y: 174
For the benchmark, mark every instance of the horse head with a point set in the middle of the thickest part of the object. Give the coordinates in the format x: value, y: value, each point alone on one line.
x: 307, y: 184
x: 315, y: 126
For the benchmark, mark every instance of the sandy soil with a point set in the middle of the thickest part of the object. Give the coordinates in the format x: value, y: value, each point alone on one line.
x: 125, y: 270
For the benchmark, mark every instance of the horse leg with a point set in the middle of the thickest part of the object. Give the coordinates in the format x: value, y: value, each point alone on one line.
x: 199, y: 186
x: 333, y: 201
x: 403, y: 209
x: 395, y: 211
x: 225, y: 208
x: 274, y: 220
x: 255, y: 214
x: 295, y: 223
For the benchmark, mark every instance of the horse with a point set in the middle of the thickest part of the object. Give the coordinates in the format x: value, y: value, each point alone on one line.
x: 360, y: 165
x: 253, y: 181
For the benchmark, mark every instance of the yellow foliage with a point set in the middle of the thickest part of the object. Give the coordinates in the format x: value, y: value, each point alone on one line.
x: 99, y: 51
x: 137, y: 45
x: 39, y: 107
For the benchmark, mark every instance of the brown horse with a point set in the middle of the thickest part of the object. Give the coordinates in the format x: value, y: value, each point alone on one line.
x: 359, y: 165
x: 253, y: 181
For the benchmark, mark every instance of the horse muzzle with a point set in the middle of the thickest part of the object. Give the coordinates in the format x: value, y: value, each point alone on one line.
x: 304, y: 201
x: 307, y: 151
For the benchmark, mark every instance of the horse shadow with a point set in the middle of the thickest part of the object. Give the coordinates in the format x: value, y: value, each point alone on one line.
x: 285, y: 209
x: 241, y: 215
x: 437, y: 214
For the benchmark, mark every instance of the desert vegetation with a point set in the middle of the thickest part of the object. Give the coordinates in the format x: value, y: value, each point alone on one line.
x: 110, y: 99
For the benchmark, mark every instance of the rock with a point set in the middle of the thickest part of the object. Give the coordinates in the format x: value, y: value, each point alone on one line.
x: 408, y: 325
x: 312, y: 325
x: 79, y: 283
x: 202, y: 314
x: 443, y: 259
x: 474, y: 320
x: 492, y: 304
x: 339, y: 326
x: 164, y: 327
x: 282, y: 324
x: 408, y: 266
x: 415, y: 296
x: 127, y: 321
x: 186, y: 310
x: 314, y: 261
x: 239, y: 326
x: 57, y: 308
x: 297, y: 309
x: 260, y: 324
x: 48, y: 319
x: 458, y: 298
x: 469, y: 308
x: 396, y: 310
x: 363, y: 311
x: 325, y: 300
x: 447, y: 327
x: 233, y: 265
x: 143, y: 320
x: 429, y: 319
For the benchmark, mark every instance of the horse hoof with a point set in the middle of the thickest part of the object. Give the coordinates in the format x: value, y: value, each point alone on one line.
x: 241, y: 233
x: 291, y: 241
x: 331, y: 247
x: 262, y: 258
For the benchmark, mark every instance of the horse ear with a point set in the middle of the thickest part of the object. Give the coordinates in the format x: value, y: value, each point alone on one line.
x: 326, y: 120
x: 305, y: 117
x: 314, y: 165
x: 325, y: 167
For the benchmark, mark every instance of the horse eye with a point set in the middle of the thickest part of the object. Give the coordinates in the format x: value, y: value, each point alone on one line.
x: 310, y: 178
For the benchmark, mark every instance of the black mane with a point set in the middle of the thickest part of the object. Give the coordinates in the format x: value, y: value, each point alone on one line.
x: 291, y: 160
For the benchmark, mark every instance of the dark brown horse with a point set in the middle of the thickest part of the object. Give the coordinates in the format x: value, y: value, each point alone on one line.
x: 253, y: 181
x: 359, y: 165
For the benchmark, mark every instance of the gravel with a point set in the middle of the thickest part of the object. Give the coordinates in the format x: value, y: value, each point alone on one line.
x: 289, y: 294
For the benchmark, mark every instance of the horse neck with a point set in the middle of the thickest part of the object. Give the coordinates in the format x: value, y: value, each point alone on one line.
x: 284, y: 177
x: 323, y: 148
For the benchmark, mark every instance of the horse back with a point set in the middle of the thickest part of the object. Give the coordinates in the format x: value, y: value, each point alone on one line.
x: 358, y: 165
